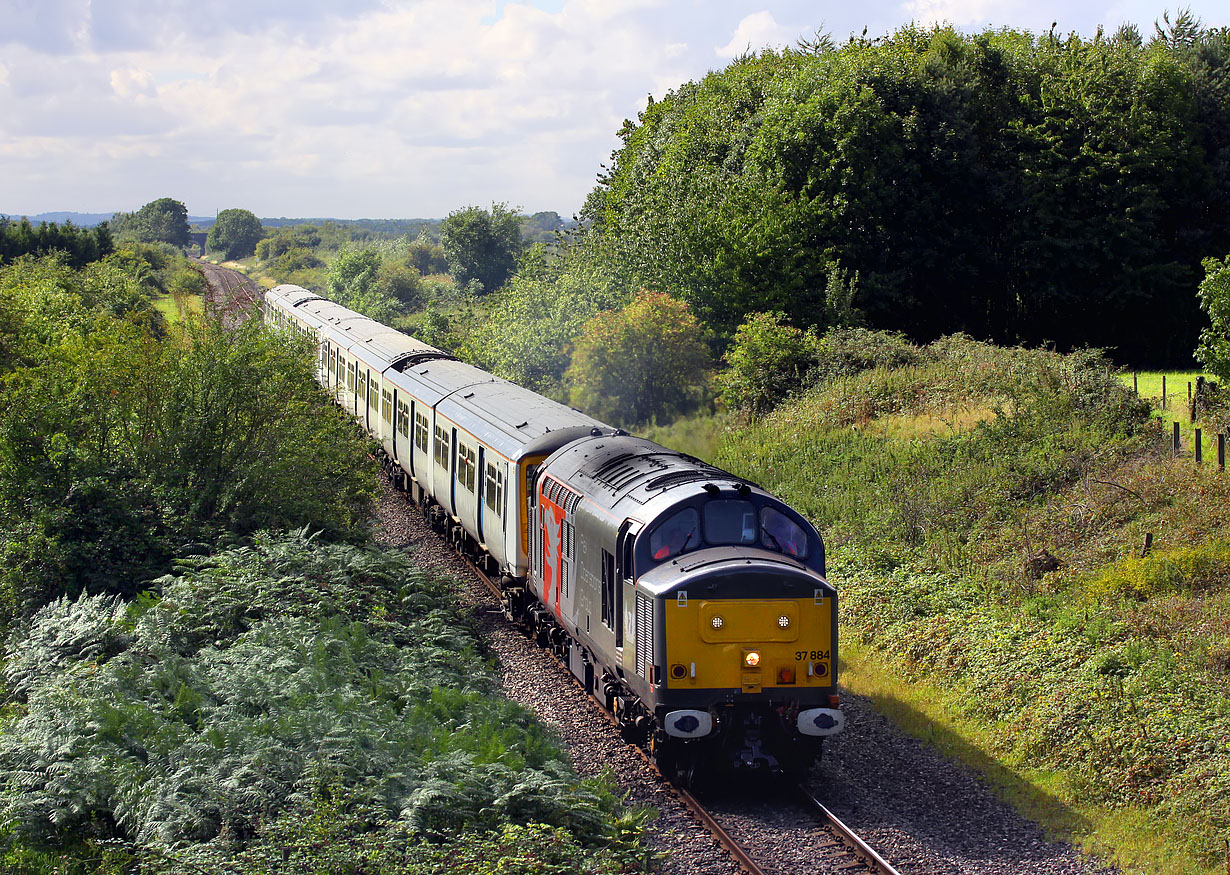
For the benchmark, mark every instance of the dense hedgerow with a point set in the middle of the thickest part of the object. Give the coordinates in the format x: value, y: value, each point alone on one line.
x: 216, y: 723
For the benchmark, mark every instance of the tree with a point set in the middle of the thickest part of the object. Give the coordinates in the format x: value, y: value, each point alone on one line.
x: 235, y: 233
x: 162, y: 221
x: 353, y: 282
x: 768, y: 360
x: 481, y: 246
x: 528, y: 326
x: 645, y: 361
x: 427, y: 256
x: 1214, y: 349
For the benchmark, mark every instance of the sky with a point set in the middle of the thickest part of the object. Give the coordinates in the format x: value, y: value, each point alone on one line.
x: 391, y: 108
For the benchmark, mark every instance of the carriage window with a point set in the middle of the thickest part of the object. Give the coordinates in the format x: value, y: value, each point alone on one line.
x: 373, y: 394
x: 403, y: 418
x: 466, y: 466
x: 779, y: 532
x: 730, y: 522
x: 386, y: 405
x: 442, y: 447
x: 495, y: 489
x: 421, y: 431
x: 677, y: 535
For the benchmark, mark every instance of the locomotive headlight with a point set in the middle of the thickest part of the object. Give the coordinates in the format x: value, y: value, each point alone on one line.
x: 751, y: 658
x: 783, y: 621
x: 718, y: 622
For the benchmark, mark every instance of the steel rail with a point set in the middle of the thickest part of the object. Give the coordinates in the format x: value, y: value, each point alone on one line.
x: 848, y: 837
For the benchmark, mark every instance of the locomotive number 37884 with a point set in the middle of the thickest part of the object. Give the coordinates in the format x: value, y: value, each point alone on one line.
x: 811, y: 654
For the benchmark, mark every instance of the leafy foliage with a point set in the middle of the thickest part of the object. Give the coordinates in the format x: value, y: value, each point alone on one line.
x: 767, y: 361
x: 527, y: 328
x: 1214, y: 349
x: 81, y: 245
x: 648, y: 359
x: 481, y: 246
x: 1015, y: 187
x: 160, y: 221
x: 375, y: 281
x: 235, y: 233
x: 273, y: 693
x: 119, y: 443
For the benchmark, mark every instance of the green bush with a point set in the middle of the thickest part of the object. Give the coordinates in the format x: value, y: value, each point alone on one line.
x: 264, y: 681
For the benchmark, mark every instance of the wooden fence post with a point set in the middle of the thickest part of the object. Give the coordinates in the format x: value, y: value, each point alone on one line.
x: 1135, y: 384
x: 1163, y: 391
x: 1199, y: 448
x: 1175, y: 453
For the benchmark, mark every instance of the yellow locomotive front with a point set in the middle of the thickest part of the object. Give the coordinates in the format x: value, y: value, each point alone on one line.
x: 745, y: 659
x: 749, y: 644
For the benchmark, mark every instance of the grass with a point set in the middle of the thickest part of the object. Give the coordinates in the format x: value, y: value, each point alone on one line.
x: 176, y: 309
x: 1090, y: 692
x: 1133, y: 838
x: 698, y: 435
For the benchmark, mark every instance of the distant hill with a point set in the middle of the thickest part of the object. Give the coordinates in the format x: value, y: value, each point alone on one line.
x: 536, y: 228
x: 89, y: 220
x: 81, y: 220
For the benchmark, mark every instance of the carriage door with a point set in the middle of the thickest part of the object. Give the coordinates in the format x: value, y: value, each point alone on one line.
x: 452, y: 474
x: 396, y: 421
x: 482, y: 486
x: 626, y: 574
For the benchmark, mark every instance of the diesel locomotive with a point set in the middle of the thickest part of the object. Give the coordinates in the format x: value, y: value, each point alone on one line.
x: 691, y: 604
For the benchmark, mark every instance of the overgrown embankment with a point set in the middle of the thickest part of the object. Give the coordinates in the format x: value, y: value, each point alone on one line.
x: 986, y: 509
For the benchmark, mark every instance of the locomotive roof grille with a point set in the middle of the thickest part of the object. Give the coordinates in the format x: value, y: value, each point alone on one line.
x: 627, y: 469
x: 675, y: 478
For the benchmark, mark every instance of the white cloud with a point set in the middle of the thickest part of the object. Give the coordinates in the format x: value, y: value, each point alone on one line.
x: 132, y: 82
x: 755, y: 32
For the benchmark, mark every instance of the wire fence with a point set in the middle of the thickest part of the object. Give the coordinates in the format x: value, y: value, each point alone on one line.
x: 1202, y: 399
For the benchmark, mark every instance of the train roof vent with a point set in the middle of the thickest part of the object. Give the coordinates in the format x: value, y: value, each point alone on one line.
x: 676, y: 478
x: 625, y: 470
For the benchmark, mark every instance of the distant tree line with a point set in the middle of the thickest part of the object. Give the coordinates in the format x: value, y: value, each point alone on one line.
x: 79, y: 245
x: 1018, y: 187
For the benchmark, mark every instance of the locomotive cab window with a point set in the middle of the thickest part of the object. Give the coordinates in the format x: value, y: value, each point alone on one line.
x: 779, y: 532
x: 730, y: 522
x: 678, y: 534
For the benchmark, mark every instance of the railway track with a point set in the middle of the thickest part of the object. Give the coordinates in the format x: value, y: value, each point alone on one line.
x: 862, y: 857
x: 232, y: 295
